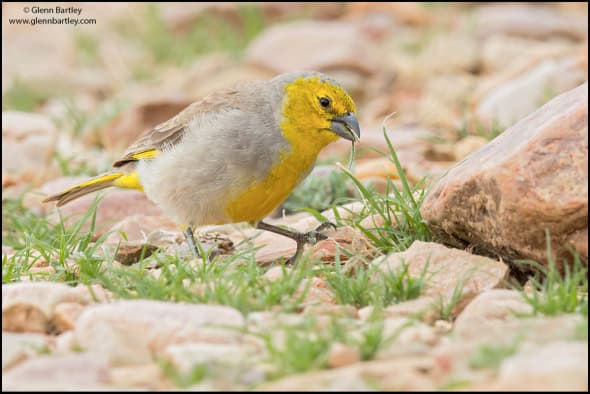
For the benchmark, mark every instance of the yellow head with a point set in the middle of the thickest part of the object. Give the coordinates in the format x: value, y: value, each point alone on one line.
x: 317, y: 110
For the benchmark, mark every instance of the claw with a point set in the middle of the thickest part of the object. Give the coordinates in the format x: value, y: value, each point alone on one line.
x: 325, y: 225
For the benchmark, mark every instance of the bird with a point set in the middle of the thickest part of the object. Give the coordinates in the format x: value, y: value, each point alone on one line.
x: 235, y: 155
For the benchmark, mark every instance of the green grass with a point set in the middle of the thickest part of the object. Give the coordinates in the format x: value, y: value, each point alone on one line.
x: 399, y: 210
x: 208, y: 33
x: 79, y: 121
x: 34, y: 238
x: 320, y: 193
x: 26, y: 97
x: 371, y: 286
x: 489, y: 132
x: 187, y: 379
x: 491, y: 356
x: 553, y: 292
x: 87, y: 47
x: 306, y: 346
x: 447, y: 308
x: 236, y: 281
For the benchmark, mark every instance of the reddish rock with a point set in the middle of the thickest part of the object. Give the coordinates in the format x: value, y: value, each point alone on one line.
x: 529, y: 21
x: 131, y: 332
x: 341, y: 242
x: 447, y: 269
x: 18, y: 347
x: 492, y: 306
x: 127, y: 127
x: 29, y: 307
x: 533, y: 177
x: 28, y: 146
x: 115, y: 205
x: 337, y: 48
x: 65, y: 316
x: 341, y: 355
x: 59, y: 373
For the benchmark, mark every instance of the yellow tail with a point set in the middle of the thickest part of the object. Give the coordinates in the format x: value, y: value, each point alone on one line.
x: 128, y: 181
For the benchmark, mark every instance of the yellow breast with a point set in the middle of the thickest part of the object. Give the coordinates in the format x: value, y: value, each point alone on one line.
x: 264, y: 195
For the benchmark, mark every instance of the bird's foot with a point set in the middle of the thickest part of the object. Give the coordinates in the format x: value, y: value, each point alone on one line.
x: 311, y: 237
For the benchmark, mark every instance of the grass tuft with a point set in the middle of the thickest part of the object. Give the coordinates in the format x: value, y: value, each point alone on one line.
x: 491, y: 356
x: 553, y: 292
x: 371, y: 286
x: 399, y: 210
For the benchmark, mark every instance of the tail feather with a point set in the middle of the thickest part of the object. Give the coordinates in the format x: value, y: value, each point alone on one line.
x: 100, y: 182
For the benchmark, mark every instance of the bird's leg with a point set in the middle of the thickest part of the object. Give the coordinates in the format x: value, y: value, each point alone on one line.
x: 192, y: 244
x: 190, y: 240
x: 310, y: 237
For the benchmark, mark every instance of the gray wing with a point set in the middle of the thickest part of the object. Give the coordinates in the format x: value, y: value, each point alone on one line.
x: 172, y: 131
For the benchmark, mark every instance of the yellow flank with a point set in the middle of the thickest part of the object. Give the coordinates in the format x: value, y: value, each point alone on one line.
x: 146, y: 154
x: 129, y: 181
x: 307, y: 134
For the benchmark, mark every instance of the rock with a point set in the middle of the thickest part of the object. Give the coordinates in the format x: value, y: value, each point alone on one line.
x: 276, y: 273
x: 65, y: 315
x: 407, y: 374
x: 140, y: 227
x: 491, y: 305
x: 423, y: 308
x: 95, y: 292
x: 533, y: 177
x: 18, y: 347
x: 129, y: 253
x: 133, y: 332
x: 497, y: 50
x: 380, y: 167
x: 185, y: 357
x: 529, y: 21
x: 29, y: 307
x: 28, y: 146
x: 182, y: 19
x: 316, y: 292
x: 516, y: 96
x: 564, y: 368
x: 347, y: 311
x: 114, y: 205
x: 136, y: 120
x: 146, y: 376
x: 446, y: 269
x: 341, y: 355
x: 58, y: 373
x: 275, y: 247
x: 453, y: 357
x: 330, y: 47
x: 64, y: 343
x: 467, y: 146
x: 448, y: 53
x: 410, y: 13
x: 342, y: 242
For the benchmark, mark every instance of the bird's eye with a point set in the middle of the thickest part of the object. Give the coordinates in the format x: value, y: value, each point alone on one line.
x: 325, y: 102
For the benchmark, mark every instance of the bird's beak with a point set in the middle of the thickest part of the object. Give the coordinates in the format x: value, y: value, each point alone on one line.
x: 346, y: 126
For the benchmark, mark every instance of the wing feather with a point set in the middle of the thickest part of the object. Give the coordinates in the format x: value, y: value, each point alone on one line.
x: 171, y: 132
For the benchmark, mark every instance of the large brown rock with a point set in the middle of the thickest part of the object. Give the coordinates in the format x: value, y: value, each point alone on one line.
x: 532, y: 178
